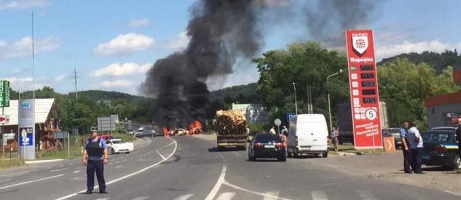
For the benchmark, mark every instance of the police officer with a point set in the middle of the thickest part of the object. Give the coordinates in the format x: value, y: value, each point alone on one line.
x: 407, y: 158
x: 94, y: 157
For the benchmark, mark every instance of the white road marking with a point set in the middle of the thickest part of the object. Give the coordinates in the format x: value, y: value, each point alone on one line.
x: 319, y: 195
x: 141, y: 198
x: 253, y: 192
x: 366, y: 195
x: 162, y: 148
x: 61, y: 165
x: 57, y: 170
x: 218, y: 184
x: 271, y: 195
x: 19, y: 173
x: 226, y: 196
x: 76, y: 171
x: 4, y: 180
x: 129, y: 175
x: 184, y: 197
x: 101, y: 198
x: 27, y: 182
x: 118, y: 166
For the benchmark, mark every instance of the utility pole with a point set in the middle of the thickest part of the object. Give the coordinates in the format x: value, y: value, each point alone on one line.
x: 75, y: 79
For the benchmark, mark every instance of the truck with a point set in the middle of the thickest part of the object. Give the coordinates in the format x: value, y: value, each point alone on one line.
x: 231, y: 129
x: 344, y: 120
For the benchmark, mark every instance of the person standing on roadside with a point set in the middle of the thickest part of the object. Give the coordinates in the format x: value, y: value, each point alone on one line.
x: 458, y: 137
x: 416, y: 145
x: 334, y: 138
x: 94, y: 150
x: 406, y: 147
x: 272, y: 131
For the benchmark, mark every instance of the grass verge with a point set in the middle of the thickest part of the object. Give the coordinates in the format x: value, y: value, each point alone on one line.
x: 4, y: 164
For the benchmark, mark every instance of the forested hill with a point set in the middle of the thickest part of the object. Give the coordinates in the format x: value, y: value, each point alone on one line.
x: 242, y: 93
x: 439, y: 61
x: 93, y: 95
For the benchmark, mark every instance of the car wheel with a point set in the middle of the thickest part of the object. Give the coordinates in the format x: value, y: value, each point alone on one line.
x: 325, y: 155
x: 456, y: 163
x: 251, y: 156
x: 112, y: 151
x: 220, y: 148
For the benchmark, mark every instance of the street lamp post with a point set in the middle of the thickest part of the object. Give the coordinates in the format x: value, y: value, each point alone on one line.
x: 328, y: 92
x: 296, y: 103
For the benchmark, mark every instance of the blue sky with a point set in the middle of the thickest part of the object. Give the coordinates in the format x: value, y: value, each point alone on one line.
x: 112, y: 43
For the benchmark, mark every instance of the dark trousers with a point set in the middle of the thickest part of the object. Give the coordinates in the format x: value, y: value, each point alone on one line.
x: 417, y: 157
x: 407, y: 160
x: 459, y: 149
x: 98, y: 167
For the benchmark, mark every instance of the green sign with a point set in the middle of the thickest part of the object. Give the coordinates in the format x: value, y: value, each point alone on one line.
x: 4, y: 94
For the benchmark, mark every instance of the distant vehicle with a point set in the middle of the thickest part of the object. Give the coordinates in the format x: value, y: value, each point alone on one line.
x: 146, y: 133
x: 444, y: 128
x: 266, y: 146
x: 394, y: 132
x: 441, y: 149
x: 119, y: 146
x: 344, y: 121
x: 130, y: 132
x: 308, y: 134
x: 179, y: 131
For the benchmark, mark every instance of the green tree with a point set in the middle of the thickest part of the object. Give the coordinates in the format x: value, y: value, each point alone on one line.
x: 304, y: 64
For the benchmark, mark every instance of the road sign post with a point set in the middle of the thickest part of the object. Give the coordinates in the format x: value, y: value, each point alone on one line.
x: 277, y: 122
x: 4, y: 102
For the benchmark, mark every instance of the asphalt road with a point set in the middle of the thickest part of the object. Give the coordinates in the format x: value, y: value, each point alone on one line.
x: 189, y: 168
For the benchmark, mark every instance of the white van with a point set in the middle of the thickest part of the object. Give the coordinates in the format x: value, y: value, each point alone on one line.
x: 308, y: 134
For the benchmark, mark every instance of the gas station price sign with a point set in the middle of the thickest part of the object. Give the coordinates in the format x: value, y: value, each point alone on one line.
x: 363, y: 84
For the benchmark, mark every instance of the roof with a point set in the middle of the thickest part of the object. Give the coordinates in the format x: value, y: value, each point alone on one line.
x: 43, y: 107
x: 446, y: 99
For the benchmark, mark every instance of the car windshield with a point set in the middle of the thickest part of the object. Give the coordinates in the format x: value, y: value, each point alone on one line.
x: 266, y: 138
x: 117, y: 141
x: 436, y: 137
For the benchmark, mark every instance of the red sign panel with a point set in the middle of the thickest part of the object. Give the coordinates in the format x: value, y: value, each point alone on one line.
x: 363, y: 84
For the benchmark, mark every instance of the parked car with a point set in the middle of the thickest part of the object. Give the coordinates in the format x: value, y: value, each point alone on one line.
x: 130, y: 132
x: 440, y: 149
x: 394, y: 132
x: 119, y: 146
x: 266, y: 146
x: 449, y: 128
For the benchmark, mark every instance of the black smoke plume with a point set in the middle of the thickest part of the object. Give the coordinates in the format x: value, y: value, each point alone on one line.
x: 220, y: 31
x: 331, y: 18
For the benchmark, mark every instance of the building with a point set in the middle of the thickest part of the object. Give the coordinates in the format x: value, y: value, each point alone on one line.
x: 46, y: 120
x: 254, y: 113
x: 444, y: 110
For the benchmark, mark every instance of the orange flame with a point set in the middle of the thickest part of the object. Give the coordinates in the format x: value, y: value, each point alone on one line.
x: 195, y: 127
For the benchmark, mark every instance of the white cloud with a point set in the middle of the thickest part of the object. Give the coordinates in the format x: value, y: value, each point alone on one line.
x: 23, y: 83
x: 61, y: 77
x: 117, y: 84
x: 23, y: 47
x: 139, y: 22
x: 418, y: 47
x: 179, y: 42
x: 125, y: 69
x: 24, y: 4
x: 125, y: 44
x: 16, y: 71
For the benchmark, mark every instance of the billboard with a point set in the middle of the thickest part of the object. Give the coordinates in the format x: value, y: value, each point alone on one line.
x: 26, y: 125
x: 364, y: 93
x: 4, y: 94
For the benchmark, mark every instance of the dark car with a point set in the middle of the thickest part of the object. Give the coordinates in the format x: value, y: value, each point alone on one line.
x: 394, y: 132
x: 266, y: 146
x: 146, y: 133
x: 440, y: 149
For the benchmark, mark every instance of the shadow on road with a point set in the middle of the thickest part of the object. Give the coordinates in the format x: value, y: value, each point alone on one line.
x: 216, y: 149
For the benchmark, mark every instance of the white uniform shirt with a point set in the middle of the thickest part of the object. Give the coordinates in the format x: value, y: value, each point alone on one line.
x: 413, y: 133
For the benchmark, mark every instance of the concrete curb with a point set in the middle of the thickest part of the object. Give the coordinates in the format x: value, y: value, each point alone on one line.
x: 42, y: 161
